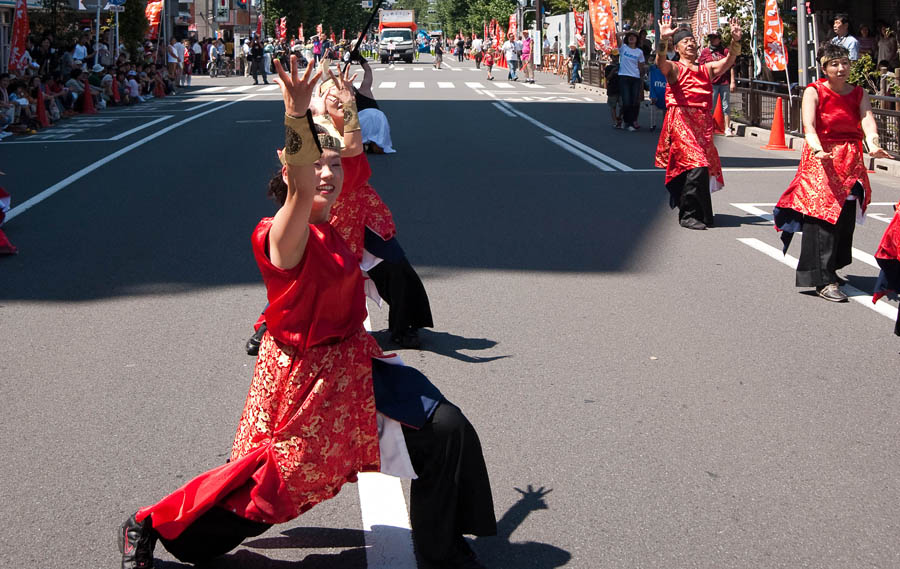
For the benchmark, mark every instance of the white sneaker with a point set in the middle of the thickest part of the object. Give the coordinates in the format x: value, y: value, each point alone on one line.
x: 631, y: 129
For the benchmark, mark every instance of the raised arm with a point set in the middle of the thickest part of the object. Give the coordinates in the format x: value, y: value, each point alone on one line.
x: 870, y: 128
x: 719, y: 68
x: 666, y: 32
x: 343, y: 92
x: 366, y: 86
x: 290, y: 227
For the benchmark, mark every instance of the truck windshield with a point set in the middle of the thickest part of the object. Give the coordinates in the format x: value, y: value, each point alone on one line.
x: 396, y: 35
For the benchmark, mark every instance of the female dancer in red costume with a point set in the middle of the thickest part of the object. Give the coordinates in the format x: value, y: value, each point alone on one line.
x: 366, y: 224
x: 831, y: 179
x: 686, y: 149
x: 320, y: 396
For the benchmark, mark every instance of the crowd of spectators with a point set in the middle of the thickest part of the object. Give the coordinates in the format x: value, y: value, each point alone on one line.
x: 57, y: 81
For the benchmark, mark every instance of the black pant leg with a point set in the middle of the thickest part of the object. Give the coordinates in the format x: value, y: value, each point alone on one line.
x: 845, y: 227
x: 452, y: 494
x: 213, y: 534
x: 400, y: 286
x: 689, y: 191
x: 815, y: 267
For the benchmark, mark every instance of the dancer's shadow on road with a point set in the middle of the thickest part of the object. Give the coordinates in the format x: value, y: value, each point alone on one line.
x: 445, y: 344
x: 497, y: 552
x: 726, y: 220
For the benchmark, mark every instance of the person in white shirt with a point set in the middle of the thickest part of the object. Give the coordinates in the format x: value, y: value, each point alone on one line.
x: 172, y: 58
x: 180, y: 50
x: 842, y: 36
x: 134, y: 89
x: 477, y: 45
x: 197, y: 51
x: 80, y: 50
x: 511, y: 50
x: 245, y: 57
x: 631, y: 69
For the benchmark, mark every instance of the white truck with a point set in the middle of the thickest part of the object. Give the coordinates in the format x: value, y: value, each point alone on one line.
x: 397, y: 35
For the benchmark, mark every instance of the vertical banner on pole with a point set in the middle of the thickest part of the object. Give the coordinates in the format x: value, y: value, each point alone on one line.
x: 579, y: 29
x: 514, y: 24
x: 776, y: 57
x: 603, y: 25
x: 704, y: 17
x: 17, y: 61
x: 152, y: 11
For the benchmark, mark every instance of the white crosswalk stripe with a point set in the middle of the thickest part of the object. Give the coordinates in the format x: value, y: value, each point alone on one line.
x: 241, y: 88
x: 269, y: 88
x: 416, y: 85
x: 446, y: 85
x: 503, y: 86
x: 474, y: 85
x: 387, y: 85
x: 210, y: 90
x: 533, y: 86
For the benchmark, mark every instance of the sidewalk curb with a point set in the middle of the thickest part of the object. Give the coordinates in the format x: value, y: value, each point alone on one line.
x: 754, y: 133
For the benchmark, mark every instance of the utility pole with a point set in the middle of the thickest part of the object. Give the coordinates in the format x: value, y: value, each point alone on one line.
x: 539, y: 29
x: 802, y: 44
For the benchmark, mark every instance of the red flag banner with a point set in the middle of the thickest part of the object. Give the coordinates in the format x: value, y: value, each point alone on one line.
x: 152, y: 11
x: 300, y: 34
x: 603, y: 22
x: 579, y: 28
x: 514, y: 24
x: 485, y: 36
x: 776, y: 58
x: 17, y: 61
x: 704, y: 17
x: 259, y: 25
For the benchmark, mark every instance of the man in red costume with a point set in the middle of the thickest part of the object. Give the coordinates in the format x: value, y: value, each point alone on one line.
x: 822, y: 199
x: 686, y: 149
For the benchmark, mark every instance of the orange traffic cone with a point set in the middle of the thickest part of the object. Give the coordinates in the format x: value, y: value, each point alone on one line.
x: 776, y: 137
x: 115, y: 92
x: 719, y: 117
x: 42, y: 110
x: 88, y: 105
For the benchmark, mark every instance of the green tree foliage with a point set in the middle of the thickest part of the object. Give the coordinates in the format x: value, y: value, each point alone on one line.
x: 133, y: 25
x: 420, y: 6
x: 57, y: 17
x: 481, y: 11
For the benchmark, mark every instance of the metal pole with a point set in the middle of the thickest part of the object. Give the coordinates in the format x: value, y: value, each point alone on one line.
x: 117, y: 37
x: 97, y: 37
x: 657, y: 14
x: 539, y: 27
x: 802, y: 45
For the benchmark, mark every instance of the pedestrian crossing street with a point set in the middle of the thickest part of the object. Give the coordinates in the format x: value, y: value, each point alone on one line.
x: 496, y: 85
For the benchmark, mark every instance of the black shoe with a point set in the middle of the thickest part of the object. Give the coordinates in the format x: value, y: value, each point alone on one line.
x: 831, y: 293
x: 136, y: 543
x: 691, y: 223
x: 408, y: 339
x: 255, y: 340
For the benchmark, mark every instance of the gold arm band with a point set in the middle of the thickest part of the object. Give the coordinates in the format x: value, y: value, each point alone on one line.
x: 301, y: 145
x: 735, y: 48
x: 351, y: 118
x: 812, y: 140
x: 873, y: 141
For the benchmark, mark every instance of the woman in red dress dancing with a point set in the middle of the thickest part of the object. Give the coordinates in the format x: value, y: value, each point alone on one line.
x: 888, y: 258
x: 686, y: 149
x: 322, y: 402
x: 822, y: 199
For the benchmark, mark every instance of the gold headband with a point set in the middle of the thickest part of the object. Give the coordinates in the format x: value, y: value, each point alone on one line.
x: 826, y: 60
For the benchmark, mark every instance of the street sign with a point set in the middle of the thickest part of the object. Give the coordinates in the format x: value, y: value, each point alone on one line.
x: 366, y: 4
x: 114, y: 8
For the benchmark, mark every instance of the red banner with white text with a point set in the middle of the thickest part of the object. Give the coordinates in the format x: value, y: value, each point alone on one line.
x: 603, y: 23
x: 776, y: 58
x: 514, y: 24
x: 152, y: 11
x: 704, y: 17
x: 17, y: 49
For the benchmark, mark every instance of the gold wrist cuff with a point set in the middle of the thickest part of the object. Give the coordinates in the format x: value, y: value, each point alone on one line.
x: 873, y: 142
x: 351, y: 118
x: 812, y: 140
x: 301, y: 145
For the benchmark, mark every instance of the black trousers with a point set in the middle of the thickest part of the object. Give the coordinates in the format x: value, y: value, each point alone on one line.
x: 400, y: 286
x: 825, y: 248
x: 452, y: 495
x: 689, y: 192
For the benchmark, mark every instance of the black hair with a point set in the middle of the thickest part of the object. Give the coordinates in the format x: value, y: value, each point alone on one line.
x: 277, y: 188
x: 76, y: 73
x: 4, y: 76
x: 844, y: 18
x: 829, y: 51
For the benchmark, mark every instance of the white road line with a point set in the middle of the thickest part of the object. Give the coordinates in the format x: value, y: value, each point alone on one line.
x: 417, y: 69
x: 448, y: 66
x: 269, y: 88
x: 584, y: 156
x: 583, y: 147
x: 881, y: 307
x: 385, y: 522
x: 416, y: 85
x: 588, y: 99
x: 474, y: 85
x: 209, y: 90
x: 753, y: 210
x: 503, y: 86
x: 253, y: 121
x: 141, y: 127
x: 505, y: 112
x: 456, y: 69
x: 446, y: 85
x: 387, y: 85
x: 195, y: 107
x: 240, y: 88
x: 30, y: 203
x: 533, y: 86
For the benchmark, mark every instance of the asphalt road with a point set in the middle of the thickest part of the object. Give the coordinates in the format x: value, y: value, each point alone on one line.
x: 647, y: 396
